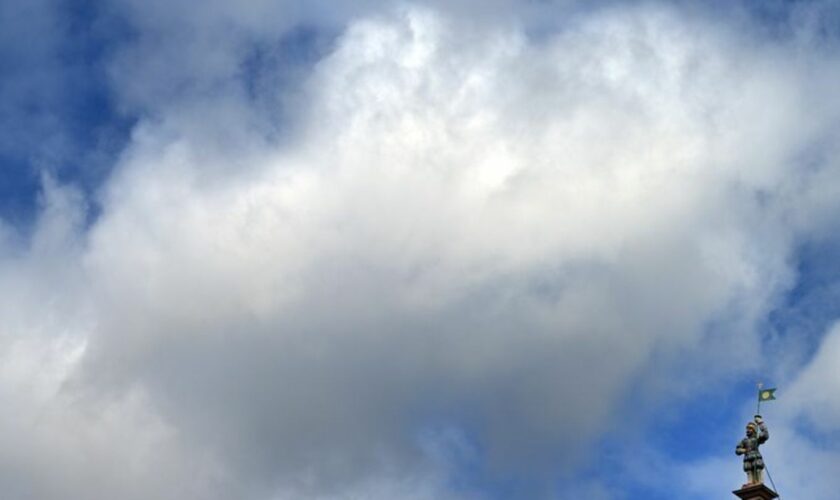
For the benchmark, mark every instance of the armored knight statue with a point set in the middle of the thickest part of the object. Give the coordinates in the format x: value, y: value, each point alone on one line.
x: 753, y: 462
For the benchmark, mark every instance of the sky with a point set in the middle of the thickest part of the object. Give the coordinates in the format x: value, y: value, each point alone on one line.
x: 450, y: 250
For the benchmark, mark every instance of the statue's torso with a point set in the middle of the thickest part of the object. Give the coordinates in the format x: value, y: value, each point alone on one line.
x: 750, y: 444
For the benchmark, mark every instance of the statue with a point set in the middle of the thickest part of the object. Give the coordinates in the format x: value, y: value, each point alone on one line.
x: 753, y: 462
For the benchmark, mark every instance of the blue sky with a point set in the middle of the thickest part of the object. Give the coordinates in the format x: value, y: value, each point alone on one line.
x: 430, y: 250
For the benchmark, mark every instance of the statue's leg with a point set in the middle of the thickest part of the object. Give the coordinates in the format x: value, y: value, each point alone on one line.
x: 754, y: 475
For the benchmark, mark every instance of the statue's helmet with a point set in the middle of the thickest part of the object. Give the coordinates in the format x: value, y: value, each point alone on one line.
x: 752, y: 426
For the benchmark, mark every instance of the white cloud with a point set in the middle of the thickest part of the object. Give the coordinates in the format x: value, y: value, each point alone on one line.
x: 816, y: 391
x: 469, y: 225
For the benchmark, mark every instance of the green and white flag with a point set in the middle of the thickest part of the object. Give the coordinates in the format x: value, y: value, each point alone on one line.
x: 767, y: 395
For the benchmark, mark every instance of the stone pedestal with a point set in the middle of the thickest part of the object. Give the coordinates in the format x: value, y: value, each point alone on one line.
x: 755, y: 492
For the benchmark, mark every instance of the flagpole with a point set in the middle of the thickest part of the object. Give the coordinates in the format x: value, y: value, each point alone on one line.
x: 758, y: 396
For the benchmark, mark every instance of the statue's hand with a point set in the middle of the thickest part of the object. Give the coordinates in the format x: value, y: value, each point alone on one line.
x: 740, y: 451
x: 758, y: 419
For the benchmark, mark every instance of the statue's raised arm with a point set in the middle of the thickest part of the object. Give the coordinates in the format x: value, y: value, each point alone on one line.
x: 763, y: 433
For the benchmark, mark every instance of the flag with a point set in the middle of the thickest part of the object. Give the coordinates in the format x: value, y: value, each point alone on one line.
x: 767, y: 394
